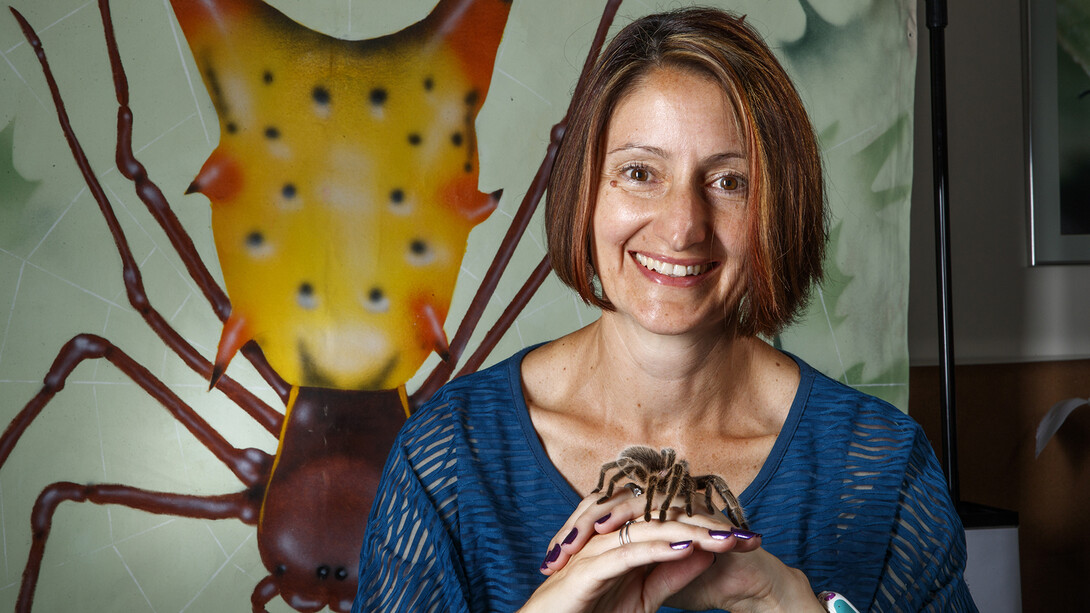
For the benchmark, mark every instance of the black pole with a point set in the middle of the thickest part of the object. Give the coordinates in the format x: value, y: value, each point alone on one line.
x: 936, y: 24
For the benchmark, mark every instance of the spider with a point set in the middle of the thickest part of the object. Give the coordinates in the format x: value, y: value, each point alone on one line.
x: 661, y: 472
x: 307, y: 500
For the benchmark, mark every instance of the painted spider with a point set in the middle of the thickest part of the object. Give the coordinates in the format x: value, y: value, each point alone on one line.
x: 660, y: 472
x: 307, y: 501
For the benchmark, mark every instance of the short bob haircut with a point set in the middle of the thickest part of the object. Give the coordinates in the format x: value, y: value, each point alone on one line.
x: 787, y: 225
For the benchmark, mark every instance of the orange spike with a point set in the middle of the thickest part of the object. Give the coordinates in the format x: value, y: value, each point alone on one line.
x: 473, y: 29
x: 220, y: 178
x: 461, y: 195
x: 196, y: 14
x: 236, y: 333
x: 429, y: 324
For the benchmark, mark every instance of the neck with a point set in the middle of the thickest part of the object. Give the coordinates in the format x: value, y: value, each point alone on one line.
x: 657, y: 384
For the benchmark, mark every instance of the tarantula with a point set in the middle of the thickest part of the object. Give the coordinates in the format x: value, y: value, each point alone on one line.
x: 662, y: 473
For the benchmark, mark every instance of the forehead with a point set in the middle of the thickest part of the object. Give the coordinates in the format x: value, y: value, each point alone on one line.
x: 673, y: 106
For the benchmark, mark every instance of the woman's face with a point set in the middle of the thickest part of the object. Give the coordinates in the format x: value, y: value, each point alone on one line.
x: 670, y: 217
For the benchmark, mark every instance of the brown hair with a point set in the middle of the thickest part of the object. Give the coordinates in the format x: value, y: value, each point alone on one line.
x: 787, y: 219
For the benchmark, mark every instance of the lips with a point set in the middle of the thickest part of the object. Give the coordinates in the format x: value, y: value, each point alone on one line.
x: 673, y: 270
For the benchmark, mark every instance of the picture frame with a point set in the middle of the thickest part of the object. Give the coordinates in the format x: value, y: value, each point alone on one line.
x: 1057, y: 133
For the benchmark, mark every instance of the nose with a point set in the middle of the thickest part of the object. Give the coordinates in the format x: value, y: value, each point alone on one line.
x: 684, y: 218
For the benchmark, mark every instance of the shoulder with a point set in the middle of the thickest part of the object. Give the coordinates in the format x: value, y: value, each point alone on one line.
x: 469, y: 396
x: 836, y: 405
x: 453, y: 422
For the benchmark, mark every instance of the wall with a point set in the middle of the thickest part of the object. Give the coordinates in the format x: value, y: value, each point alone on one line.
x: 1021, y: 333
x: 1004, y: 310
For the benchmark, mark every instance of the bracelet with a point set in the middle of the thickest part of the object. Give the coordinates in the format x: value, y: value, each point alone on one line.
x: 835, y: 603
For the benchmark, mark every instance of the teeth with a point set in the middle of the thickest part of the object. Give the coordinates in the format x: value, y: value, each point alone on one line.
x: 670, y: 270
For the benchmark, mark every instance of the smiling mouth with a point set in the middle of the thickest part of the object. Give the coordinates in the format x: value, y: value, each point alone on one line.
x: 673, y: 270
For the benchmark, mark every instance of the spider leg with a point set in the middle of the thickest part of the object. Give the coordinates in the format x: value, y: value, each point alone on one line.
x: 134, y: 285
x: 677, y: 473
x: 156, y: 203
x: 242, y: 505
x: 518, y: 226
x: 652, y: 486
x: 734, y: 508
x: 265, y: 591
x: 612, y: 484
x: 251, y: 466
x: 608, y: 466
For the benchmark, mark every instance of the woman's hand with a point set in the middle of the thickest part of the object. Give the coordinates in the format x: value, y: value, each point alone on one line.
x: 720, y: 567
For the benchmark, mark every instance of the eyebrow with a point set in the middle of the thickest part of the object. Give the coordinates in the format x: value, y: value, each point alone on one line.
x: 715, y: 159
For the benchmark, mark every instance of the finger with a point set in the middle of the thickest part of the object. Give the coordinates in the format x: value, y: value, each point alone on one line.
x: 610, y: 579
x: 582, y: 524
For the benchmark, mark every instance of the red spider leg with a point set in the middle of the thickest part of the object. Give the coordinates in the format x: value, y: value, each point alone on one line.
x: 269, y: 418
x: 153, y: 199
x: 265, y: 591
x: 508, y: 317
x: 251, y: 466
x: 518, y: 226
x: 242, y: 506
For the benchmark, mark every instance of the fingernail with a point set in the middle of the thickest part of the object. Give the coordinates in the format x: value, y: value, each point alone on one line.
x: 680, y: 545
x: 554, y: 553
x: 571, y: 536
x: 720, y: 535
x: 602, y: 519
x: 745, y: 535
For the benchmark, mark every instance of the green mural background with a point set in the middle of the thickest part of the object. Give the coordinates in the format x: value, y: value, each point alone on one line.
x: 854, y: 63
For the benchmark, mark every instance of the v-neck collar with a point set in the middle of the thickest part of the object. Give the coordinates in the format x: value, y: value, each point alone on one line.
x: 752, y: 491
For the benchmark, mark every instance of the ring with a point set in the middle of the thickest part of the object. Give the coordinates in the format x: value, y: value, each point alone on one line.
x: 636, y: 490
x: 623, y: 534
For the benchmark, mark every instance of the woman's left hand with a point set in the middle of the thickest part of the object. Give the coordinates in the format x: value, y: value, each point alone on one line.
x: 742, y: 577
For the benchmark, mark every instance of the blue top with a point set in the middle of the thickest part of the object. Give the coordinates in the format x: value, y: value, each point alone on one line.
x: 851, y: 494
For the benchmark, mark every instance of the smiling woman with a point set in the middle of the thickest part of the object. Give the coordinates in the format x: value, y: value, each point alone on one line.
x: 687, y: 202
x: 670, y: 218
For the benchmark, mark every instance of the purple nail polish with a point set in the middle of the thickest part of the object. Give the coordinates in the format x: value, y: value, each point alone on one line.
x: 681, y: 545
x: 745, y: 535
x: 571, y: 536
x: 602, y: 519
x: 720, y: 535
x: 553, y: 555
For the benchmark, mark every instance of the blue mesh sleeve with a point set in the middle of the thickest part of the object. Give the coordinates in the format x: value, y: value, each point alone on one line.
x: 409, y: 560
x: 925, y: 562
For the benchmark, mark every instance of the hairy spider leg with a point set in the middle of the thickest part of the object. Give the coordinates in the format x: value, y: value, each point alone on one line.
x: 678, y: 474
x: 654, y: 483
x: 626, y: 468
x: 242, y: 505
x: 608, y: 466
x: 734, y: 508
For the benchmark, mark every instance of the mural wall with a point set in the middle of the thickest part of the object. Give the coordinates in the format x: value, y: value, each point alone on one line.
x: 338, y: 166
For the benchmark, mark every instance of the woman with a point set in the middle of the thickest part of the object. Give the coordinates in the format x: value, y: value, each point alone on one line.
x: 687, y: 202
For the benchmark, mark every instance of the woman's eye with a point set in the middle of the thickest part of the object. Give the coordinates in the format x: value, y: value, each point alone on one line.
x: 638, y: 173
x: 729, y: 183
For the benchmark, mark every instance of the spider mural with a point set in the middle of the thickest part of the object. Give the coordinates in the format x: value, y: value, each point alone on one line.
x: 661, y: 472
x: 307, y: 501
